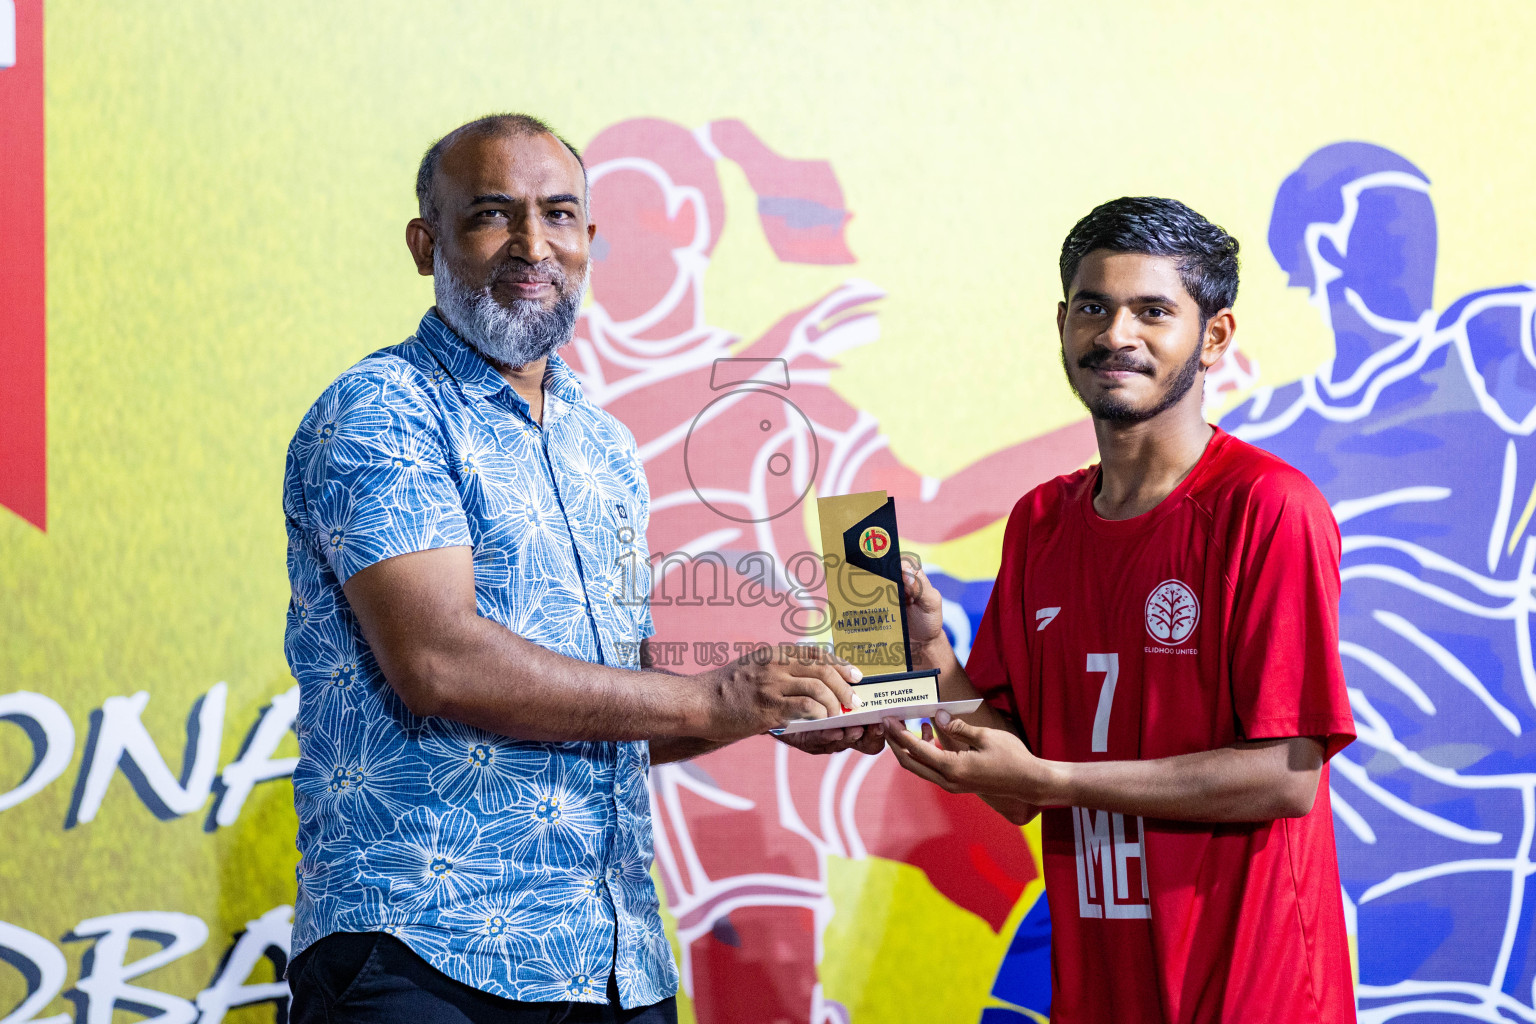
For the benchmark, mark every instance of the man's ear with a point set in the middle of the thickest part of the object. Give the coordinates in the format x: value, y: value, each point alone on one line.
x: 1219, y: 331
x: 591, y: 232
x: 420, y: 240
x: 1061, y: 321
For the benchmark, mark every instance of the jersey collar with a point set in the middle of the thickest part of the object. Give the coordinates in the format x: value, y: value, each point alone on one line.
x: 1150, y: 518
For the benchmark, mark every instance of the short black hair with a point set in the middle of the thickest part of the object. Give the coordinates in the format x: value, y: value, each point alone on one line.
x: 1152, y: 226
x: 491, y: 126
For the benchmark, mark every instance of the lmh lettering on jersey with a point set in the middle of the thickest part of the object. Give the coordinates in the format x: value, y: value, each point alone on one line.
x: 1107, y: 885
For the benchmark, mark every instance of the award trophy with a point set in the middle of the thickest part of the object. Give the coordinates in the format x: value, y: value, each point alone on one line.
x: 862, y: 554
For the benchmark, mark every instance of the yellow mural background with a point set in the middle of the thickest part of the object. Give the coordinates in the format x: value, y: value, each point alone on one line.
x: 227, y: 189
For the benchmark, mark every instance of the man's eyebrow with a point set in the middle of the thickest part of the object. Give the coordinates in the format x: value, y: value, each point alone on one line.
x: 502, y: 199
x: 1087, y: 295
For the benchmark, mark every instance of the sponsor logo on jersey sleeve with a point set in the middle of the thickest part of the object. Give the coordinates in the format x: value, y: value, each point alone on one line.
x: 1172, y: 612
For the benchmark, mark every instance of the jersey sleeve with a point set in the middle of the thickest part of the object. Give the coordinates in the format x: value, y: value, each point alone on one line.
x: 1287, y: 679
x: 997, y: 662
x: 375, y: 478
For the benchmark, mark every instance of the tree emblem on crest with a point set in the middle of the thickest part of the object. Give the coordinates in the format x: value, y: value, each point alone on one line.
x: 1173, y: 611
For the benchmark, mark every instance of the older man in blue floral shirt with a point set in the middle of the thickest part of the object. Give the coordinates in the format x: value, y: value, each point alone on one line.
x: 467, y: 554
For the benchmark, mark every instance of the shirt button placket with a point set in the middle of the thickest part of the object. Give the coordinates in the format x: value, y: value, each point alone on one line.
x: 610, y: 872
x: 614, y: 897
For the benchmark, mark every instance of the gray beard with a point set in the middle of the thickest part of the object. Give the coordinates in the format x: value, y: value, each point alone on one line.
x: 516, y: 336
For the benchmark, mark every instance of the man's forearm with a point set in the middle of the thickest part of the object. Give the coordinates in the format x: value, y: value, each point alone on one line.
x: 985, y: 753
x: 1250, y: 782
x: 484, y: 675
x: 418, y: 613
x: 668, y: 749
x: 954, y: 684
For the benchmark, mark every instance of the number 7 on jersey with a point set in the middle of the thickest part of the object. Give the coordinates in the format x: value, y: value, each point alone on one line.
x: 1109, y: 664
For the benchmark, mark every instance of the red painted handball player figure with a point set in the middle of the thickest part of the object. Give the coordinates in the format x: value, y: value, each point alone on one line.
x: 1160, y: 657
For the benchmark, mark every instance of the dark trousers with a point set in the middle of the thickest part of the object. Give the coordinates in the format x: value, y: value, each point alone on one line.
x: 373, y: 978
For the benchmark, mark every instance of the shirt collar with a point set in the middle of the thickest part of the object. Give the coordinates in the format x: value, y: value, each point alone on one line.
x: 478, y: 378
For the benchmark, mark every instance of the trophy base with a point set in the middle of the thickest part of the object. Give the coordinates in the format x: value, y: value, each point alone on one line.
x: 912, y: 714
x: 893, y: 689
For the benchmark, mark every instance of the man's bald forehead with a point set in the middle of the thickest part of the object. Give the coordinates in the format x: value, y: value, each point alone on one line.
x: 494, y: 126
x: 469, y: 159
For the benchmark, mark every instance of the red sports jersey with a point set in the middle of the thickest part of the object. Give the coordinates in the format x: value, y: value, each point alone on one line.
x: 1211, y: 619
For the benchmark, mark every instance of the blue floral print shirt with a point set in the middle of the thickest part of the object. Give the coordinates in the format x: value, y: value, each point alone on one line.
x: 516, y: 867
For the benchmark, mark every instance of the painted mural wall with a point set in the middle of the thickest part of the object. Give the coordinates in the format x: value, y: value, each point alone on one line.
x: 825, y: 263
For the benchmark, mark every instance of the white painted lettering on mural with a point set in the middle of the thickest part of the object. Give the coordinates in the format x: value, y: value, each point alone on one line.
x: 106, y: 972
x: 118, y: 742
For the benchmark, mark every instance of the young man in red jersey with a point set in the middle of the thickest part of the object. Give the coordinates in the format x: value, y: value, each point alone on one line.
x: 1160, y: 662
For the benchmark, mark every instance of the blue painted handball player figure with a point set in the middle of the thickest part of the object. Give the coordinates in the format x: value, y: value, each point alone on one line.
x: 475, y: 727
x: 1418, y: 431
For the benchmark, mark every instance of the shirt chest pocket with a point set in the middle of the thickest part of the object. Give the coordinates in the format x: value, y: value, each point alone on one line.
x: 620, y: 580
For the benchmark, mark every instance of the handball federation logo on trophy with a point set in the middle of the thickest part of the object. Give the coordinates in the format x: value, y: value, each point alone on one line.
x: 874, y: 542
x: 1173, y: 612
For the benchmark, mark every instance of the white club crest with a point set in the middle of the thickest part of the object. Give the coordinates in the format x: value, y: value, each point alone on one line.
x: 1173, y: 611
